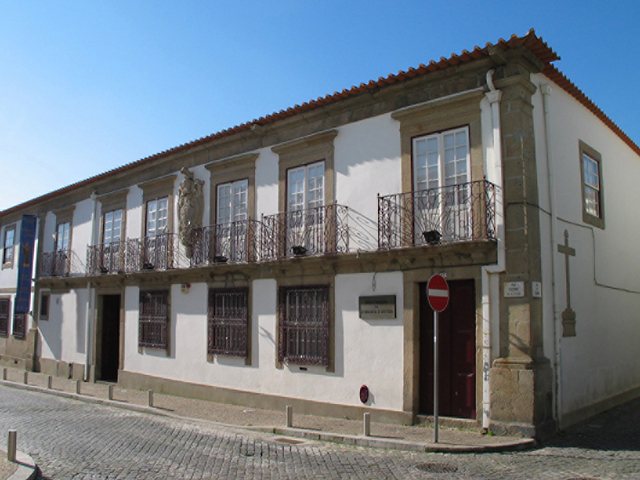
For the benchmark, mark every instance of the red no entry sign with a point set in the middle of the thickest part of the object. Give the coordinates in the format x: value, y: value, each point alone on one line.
x: 438, y: 293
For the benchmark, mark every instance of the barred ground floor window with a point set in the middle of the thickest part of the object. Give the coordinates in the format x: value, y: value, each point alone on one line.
x: 228, y: 321
x: 5, y: 308
x: 153, y: 323
x: 19, y: 324
x: 304, y: 322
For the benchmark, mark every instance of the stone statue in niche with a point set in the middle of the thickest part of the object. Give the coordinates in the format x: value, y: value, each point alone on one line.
x: 190, y: 209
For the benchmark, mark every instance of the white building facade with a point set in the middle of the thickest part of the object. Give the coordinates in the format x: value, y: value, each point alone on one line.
x: 285, y: 261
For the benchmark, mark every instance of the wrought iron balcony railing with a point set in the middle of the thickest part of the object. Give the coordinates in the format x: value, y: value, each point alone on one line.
x: 158, y: 252
x: 105, y: 258
x: 55, y: 264
x: 456, y: 213
x: 313, y: 231
x: 234, y: 242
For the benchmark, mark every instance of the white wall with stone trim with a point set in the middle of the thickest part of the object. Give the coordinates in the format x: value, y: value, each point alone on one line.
x: 600, y: 361
x: 376, y: 362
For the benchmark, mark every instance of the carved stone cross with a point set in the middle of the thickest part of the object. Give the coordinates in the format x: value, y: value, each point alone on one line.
x: 568, y: 315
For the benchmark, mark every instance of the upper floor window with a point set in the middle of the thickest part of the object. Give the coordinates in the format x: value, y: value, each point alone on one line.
x: 112, y: 227
x: 232, y: 202
x: 441, y: 159
x: 305, y: 187
x: 62, y: 236
x: 592, y: 198
x: 157, y: 216
x: 9, y: 246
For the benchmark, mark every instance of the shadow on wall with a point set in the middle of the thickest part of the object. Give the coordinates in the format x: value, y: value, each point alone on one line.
x: 51, y: 329
x: 363, y: 232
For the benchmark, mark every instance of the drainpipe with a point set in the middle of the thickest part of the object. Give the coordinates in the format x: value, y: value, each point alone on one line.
x: 88, y: 341
x: 492, y: 272
x: 545, y: 89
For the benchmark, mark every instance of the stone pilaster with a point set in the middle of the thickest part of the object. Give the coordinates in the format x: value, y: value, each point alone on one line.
x: 520, y: 379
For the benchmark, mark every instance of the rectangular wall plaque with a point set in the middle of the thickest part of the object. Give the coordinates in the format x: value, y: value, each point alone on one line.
x: 378, y: 307
x: 513, y: 289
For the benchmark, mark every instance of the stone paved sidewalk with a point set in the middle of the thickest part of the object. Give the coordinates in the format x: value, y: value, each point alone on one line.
x: 413, y: 438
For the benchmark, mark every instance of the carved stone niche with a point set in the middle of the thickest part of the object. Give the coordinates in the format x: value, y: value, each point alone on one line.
x: 190, y: 209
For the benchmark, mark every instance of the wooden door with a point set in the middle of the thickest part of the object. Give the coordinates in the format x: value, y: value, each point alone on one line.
x: 456, y: 349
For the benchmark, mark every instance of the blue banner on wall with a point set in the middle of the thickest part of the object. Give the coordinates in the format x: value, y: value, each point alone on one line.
x: 25, y: 267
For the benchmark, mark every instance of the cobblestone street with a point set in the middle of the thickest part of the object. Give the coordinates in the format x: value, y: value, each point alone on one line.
x: 74, y: 440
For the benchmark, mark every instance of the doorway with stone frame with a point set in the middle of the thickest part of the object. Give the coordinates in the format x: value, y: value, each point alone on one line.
x: 108, y: 338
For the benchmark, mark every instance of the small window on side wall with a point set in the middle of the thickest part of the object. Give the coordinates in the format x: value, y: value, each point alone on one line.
x: 45, y: 298
x: 592, y: 188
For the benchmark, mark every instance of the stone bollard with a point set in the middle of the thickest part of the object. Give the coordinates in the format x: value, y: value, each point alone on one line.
x: 150, y: 398
x: 289, y: 416
x: 4, y: 374
x: 78, y: 387
x: 110, y: 391
x: 50, y: 382
x: 11, y: 445
x: 26, y: 378
x: 366, y: 420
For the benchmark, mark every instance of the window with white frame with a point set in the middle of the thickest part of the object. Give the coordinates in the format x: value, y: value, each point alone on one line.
x: 232, y: 202
x: 305, y: 187
x: 9, y: 246
x: 62, y: 236
x: 112, y: 227
x: 592, y: 197
x: 157, y: 216
x: 441, y: 173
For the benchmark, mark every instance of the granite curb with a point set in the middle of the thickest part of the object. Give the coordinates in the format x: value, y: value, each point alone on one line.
x: 373, y: 441
x: 26, y: 467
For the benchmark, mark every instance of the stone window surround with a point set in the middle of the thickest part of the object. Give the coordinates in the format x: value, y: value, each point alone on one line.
x: 7, y: 299
x: 8, y: 228
x: 437, y: 116
x: 158, y: 188
x: 229, y: 170
x: 595, y: 155
x: 112, y: 202
x: 43, y: 294
x: 304, y: 151
x: 64, y: 215
x: 219, y: 286
x: 153, y: 287
x: 310, y: 281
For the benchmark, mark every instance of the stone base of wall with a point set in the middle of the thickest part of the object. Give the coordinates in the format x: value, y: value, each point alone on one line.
x: 256, y: 400
x: 59, y: 368
x: 571, y: 418
x: 18, y: 352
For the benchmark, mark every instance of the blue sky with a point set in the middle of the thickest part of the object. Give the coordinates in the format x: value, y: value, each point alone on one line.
x: 87, y: 86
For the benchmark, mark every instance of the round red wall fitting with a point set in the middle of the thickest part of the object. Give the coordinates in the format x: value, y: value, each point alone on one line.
x: 364, y: 393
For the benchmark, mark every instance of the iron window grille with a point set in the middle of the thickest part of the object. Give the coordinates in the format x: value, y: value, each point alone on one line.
x: 153, y: 323
x: 19, y: 324
x: 5, y: 308
x: 304, y: 325
x: 228, y: 322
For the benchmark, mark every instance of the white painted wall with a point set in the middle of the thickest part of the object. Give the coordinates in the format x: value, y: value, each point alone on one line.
x: 367, y: 163
x: 82, y: 226
x: 266, y: 183
x: 605, y: 288
x: 378, y: 363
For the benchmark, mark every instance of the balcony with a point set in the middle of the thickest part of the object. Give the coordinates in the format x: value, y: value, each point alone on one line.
x: 457, y: 213
x: 55, y: 264
x: 106, y: 258
x: 234, y: 242
x: 313, y: 231
x: 158, y: 252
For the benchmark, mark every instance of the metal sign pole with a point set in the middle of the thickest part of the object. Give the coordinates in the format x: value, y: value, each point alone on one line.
x: 435, y: 376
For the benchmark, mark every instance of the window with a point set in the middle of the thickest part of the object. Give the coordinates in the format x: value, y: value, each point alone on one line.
x: 112, y: 227
x: 306, y: 187
x: 154, y: 319
x: 304, y: 325
x: 9, y: 246
x: 441, y: 165
x: 19, y: 324
x: 5, y: 308
x: 232, y: 202
x: 157, y: 216
x: 228, y: 322
x: 62, y: 237
x: 592, y: 198
x: 45, y: 299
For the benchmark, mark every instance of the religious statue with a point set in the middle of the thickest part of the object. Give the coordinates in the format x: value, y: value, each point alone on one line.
x: 190, y: 209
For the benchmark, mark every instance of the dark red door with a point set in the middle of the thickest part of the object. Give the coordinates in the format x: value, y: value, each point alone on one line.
x: 456, y: 349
